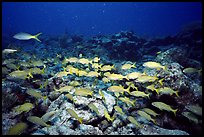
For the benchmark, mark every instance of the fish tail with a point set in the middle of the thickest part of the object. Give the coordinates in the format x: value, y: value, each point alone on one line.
x: 80, y: 120
x: 174, y: 111
x: 44, y: 97
x: 157, y: 90
x: 30, y: 75
x: 128, y: 90
x: 148, y: 96
x: 161, y: 81
x: 133, y: 65
x: 154, y: 121
x: 126, y: 77
x: 36, y: 36
x: 200, y: 72
x: 177, y: 93
x: 165, y: 68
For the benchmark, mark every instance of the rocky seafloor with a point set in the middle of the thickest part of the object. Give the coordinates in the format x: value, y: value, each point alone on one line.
x: 184, y: 50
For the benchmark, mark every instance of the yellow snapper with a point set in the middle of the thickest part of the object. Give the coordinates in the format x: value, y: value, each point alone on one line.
x: 96, y: 59
x: 107, y: 68
x: 24, y: 108
x: 93, y: 107
x: 105, y: 80
x: 64, y: 89
x: 146, y: 116
x: 74, y: 83
x: 82, y: 73
x: 70, y: 97
x: 152, y: 88
x: 62, y: 74
x: 72, y: 60
x: 102, y: 94
x: 116, y: 77
x: 84, y: 61
x: 131, y: 84
x: 26, y: 36
x: 118, y: 109
x: 128, y: 66
x: 17, y: 129
x: 21, y: 74
x: 152, y: 64
x: 163, y: 106
x: 37, y: 63
x: 145, y: 78
x: 47, y: 116
x: 96, y: 66
x: 134, y: 75
x: 167, y: 90
x: 134, y: 121
x: 107, y: 116
x: 11, y: 66
x: 74, y: 114
x: 119, y: 89
x: 83, y: 92
x: 139, y: 94
x: 72, y: 69
x: 93, y: 74
x: 7, y: 51
x: 127, y: 100
x: 150, y: 112
x: 35, y: 93
x: 38, y: 121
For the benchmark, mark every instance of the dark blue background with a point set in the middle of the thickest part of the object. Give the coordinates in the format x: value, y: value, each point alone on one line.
x: 91, y: 18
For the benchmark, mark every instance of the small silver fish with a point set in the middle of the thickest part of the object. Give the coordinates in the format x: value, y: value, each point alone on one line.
x: 26, y: 36
x: 6, y: 51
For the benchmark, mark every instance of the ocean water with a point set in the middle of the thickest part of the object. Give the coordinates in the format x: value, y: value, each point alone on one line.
x: 94, y: 48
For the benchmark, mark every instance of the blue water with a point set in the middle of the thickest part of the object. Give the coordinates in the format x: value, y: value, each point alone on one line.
x: 149, y: 19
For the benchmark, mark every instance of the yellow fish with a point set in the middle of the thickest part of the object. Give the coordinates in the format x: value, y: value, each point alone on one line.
x: 107, y: 116
x: 146, y: 116
x: 83, y: 92
x: 74, y: 114
x: 128, y: 66
x: 139, y: 94
x: 127, y: 100
x: 17, y: 129
x: 156, y: 65
x: 163, y: 106
x: 26, y: 36
x: 119, y: 89
x: 134, y: 121
x: 37, y: 121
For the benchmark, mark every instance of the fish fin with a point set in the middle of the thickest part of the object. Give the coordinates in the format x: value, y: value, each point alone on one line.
x: 128, y: 89
x: 36, y: 36
x: 133, y: 65
x: 174, y: 111
x: 157, y: 90
x: 126, y: 77
x: 177, y: 93
x: 80, y: 120
x: 18, y: 67
x: 154, y: 121
x: 41, y: 86
x: 148, y: 96
x: 165, y: 68
x: 44, y: 97
x: 161, y: 81
x: 29, y: 75
x: 200, y: 72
